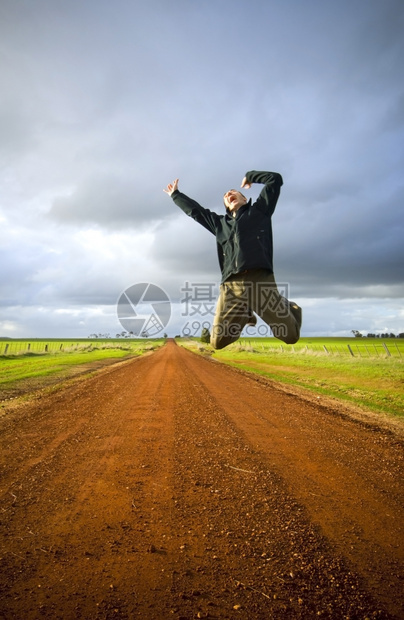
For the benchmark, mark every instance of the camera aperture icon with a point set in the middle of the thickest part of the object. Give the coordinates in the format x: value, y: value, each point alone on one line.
x: 144, y: 309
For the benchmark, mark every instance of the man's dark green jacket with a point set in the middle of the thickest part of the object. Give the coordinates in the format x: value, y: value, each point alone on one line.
x: 244, y: 241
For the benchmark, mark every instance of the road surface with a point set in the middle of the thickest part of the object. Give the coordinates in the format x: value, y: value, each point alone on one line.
x: 173, y: 486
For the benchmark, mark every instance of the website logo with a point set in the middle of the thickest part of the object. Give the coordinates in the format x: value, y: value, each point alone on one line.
x: 144, y: 309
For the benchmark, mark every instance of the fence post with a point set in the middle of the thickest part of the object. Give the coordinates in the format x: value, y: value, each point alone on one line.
x: 350, y: 350
x: 325, y: 348
x: 387, y: 351
x: 6, y: 349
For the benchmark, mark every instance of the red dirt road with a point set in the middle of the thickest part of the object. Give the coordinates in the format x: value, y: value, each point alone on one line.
x: 172, y: 486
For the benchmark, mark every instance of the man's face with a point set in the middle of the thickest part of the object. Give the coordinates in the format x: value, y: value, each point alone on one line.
x: 233, y: 200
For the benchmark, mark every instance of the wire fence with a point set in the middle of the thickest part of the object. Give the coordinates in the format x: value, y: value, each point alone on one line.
x: 369, y: 349
x: 18, y: 347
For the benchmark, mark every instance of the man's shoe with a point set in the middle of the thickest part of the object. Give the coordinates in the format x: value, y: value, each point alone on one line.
x: 297, y: 312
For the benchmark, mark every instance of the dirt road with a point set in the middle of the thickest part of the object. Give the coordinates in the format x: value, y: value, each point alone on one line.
x: 172, y: 486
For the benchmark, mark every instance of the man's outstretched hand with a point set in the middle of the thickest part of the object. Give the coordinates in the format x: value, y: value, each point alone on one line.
x: 171, y: 187
x: 245, y: 183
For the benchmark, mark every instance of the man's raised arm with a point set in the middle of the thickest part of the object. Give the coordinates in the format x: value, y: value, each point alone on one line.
x: 208, y: 219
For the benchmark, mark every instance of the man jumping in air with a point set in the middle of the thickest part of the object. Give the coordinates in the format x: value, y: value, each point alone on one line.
x: 245, y: 252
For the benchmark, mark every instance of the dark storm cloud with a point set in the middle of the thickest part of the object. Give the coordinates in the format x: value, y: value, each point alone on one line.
x: 353, y: 241
x: 185, y: 248
x: 109, y: 201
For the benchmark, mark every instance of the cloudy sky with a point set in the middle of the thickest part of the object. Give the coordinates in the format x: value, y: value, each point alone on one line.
x: 103, y: 103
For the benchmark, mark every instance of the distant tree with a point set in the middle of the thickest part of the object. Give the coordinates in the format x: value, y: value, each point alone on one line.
x: 165, y: 336
x: 356, y: 333
x: 401, y: 335
x: 205, y: 335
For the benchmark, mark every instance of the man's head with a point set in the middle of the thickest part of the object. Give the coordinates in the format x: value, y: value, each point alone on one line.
x: 233, y: 200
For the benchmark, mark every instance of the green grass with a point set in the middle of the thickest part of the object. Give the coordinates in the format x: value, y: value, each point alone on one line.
x: 23, y: 363
x: 370, y: 378
x: 350, y: 347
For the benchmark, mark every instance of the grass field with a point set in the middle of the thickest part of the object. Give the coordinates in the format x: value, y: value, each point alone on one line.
x: 29, y: 360
x: 370, y: 373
